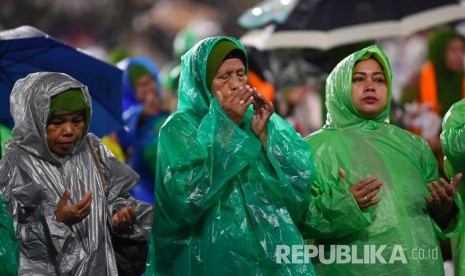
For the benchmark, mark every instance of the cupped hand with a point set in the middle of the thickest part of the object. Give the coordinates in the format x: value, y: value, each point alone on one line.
x: 442, y: 196
x: 123, y: 219
x: 72, y: 214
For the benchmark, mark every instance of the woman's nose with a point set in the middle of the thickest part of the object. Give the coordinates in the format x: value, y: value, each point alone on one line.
x: 234, y: 84
x: 369, y: 85
x: 67, y: 128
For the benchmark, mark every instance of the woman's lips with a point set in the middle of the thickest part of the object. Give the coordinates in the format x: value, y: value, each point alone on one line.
x: 370, y: 100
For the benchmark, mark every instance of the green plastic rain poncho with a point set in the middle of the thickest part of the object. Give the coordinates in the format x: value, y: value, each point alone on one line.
x: 9, y: 253
x: 222, y: 203
x: 396, y: 236
x: 33, y: 179
x: 453, y: 145
x: 5, y: 136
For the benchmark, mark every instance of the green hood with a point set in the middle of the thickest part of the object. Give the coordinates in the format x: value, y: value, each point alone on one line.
x: 341, y: 111
x: 448, y: 84
x: 194, y: 95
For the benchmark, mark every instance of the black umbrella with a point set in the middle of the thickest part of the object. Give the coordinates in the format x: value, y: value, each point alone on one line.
x: 25, y: 50
x: 324, y: 24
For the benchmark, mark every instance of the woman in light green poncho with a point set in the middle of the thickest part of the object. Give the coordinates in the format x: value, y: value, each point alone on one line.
x: 453, y: 145
x: 371, y: 211
x: 232, y: 178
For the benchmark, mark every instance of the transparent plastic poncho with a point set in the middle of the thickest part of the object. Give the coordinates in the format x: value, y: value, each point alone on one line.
x: 223, y: 203
x: 396, y: 236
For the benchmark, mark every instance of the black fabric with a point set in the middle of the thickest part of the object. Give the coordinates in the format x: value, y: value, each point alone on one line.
x: 130, y: 256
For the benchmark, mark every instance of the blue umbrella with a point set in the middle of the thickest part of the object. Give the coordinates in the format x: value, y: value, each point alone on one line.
x: 25, y: 50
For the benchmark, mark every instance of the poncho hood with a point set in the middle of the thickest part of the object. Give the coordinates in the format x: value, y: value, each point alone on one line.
x: 437, y: 47
x: 341, y: 111
x: 194, y: 94
x: 30, y: 106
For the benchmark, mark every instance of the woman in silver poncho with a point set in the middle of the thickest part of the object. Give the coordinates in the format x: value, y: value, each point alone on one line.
x: 64, y: 210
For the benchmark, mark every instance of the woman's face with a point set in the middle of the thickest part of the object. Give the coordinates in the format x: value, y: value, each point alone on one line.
x: 145, y: 87
x: 230, y: 76
x: 369, y: 89
x: 454, y: 55
x: 64, y: 131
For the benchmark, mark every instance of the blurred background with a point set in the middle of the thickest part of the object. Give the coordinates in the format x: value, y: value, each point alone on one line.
x: 142, y: 27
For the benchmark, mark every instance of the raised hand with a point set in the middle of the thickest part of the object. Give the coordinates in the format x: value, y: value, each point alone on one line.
x: 364, y: 191
x: 72, y: 214
x: 235, y: 103
x: 122, y: 219
x: 262, y: 111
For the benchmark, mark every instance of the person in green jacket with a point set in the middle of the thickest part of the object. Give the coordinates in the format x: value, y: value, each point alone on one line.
x: 376, y: 206
x: 453, y: 145
x: 9, y: 250
x: 5, y: 136
x: 233, y: 177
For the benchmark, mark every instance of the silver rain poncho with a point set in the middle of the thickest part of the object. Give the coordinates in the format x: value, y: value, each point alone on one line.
x: 33, y: 179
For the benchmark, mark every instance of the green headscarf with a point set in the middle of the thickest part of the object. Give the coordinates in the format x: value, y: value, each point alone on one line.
x: 218, y: 54
x: 136, y: 71
x: 449, y: 85
x: 69, y: 101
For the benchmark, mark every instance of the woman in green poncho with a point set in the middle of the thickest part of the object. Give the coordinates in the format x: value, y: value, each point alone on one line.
x: 5, y: 135
x: 232, y: 177
x: 453, y: 145
x: 369, y: 212
x: 9, y: 251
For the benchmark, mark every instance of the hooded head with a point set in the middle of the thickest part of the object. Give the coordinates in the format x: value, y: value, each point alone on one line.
x: 437, y: 46
x: 38, y: 96
x: 198, y: 68
x: 222, y: 51
x: 135, y: 68
x: 341, y: 110
x: 69, y: 101
x: 445, y: 51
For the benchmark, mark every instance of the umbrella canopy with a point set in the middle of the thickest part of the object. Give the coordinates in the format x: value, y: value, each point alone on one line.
x: 325, y: 24
x: 267, y: 12
x: 25, y: 50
